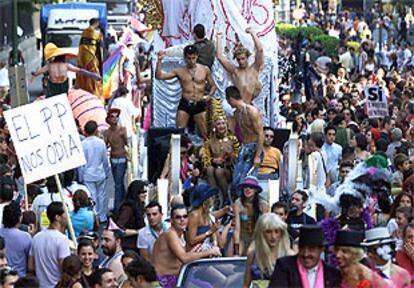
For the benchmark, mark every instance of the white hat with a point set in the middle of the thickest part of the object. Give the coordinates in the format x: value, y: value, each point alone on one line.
x: 377, y: 236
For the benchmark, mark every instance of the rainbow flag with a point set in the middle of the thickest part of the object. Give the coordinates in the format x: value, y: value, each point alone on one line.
x: 110, y: 67
x: 110, y: 70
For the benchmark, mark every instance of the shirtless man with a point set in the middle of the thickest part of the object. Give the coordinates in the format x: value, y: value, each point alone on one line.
x: 169, y: 252
x: 251, y: 126
x: 193, y: 79
x: 58, y: 69
x: 116, y: 138
x: 245, y: 77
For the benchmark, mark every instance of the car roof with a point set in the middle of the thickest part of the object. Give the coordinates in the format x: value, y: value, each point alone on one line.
x: 185, y: 267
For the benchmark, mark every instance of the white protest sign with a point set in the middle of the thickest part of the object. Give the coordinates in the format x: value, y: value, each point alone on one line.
x: 376, y: 101
x: 45, y: 137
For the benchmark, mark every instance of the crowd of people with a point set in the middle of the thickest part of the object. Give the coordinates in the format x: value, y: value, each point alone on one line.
x: 347, y: 223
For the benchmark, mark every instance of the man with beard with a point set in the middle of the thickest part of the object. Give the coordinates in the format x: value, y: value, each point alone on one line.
x: 169, y: 252
x: 50, y: 247
x: 111, y: 247
x: 297, y: 218
x: 193, y: 78
x: 306, y: 269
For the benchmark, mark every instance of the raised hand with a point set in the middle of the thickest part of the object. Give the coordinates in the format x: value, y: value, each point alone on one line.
x: 161, y: 55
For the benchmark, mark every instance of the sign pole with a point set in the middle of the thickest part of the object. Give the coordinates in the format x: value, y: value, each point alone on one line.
x: 70, y: 227
x: 26, y: 198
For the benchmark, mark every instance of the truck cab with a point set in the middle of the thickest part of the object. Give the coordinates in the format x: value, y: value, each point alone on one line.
x: 119, y: 12
x: 63, y: 24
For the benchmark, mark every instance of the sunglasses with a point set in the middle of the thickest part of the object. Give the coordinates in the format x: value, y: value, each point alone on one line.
x: 269, y: 136
x: 180, y: 217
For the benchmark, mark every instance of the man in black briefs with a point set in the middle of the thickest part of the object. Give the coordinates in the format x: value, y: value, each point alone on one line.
x: 193, y: 79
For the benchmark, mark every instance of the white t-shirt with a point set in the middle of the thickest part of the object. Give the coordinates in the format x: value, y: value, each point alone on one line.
x: 75, y: 186
x: 4, y: 77
x: 128, y: 110
x: 146, y: 238
x: 40, y: 203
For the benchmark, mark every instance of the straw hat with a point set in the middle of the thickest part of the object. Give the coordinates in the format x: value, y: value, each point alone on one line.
x: 377, y: 236
x: 51, y: 51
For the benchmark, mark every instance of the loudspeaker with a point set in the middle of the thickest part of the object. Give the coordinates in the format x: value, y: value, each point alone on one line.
x: 281, y: 137
x: 158, y: 148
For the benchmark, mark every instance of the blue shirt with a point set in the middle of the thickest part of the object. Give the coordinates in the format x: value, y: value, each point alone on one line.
x: 334, y: 155
x: 82, y: 220
x: 18, y: 244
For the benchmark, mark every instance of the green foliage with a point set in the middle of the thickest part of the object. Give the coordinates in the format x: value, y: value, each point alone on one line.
x: 329, y: 43
x: 290, y: 31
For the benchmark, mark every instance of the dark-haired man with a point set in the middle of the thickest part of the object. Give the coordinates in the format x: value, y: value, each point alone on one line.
x: 103, y: 278
x: 141, y: 274
x: 332, y: 150
x: 6, y: 194
x: 170, y: 253
x: 297, y: 218
x: 116, y: 139
x: 251, y: 126
x: 269, y: 168
x: 95, y: 172
x: 193, y: 79
x: 50, y: 247
x: 206, y: 50
x: 111, y: 247
x: 150, y: 233
x: 18, y: 242
x: 306, y: 269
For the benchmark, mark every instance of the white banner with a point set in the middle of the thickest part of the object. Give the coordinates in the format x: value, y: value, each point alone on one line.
x: 376, y: 101
x: 230, y: 17
x: 45, y: 137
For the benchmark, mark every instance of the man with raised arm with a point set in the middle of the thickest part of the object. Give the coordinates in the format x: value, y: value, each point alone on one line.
x: 245, y: 77
x: 193, y: 79
x: 169, y: 252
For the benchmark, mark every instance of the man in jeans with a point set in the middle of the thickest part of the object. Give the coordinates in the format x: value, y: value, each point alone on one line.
x: 117, y: 140
x: 251, y: 127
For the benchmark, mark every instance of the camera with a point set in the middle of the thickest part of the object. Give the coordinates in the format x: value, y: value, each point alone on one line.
x: 226, y: 219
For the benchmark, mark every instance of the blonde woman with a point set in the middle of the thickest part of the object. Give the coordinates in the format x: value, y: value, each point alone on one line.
x: 202, y: 227
x: 220, y: 152
x: 348, y: 253
x: 271, y: 241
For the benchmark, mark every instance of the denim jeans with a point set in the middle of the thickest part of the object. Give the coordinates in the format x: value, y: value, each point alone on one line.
x: 270, y: 176
x: 118, y: 167
x: 244, y: 164
x: 100, y: 196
